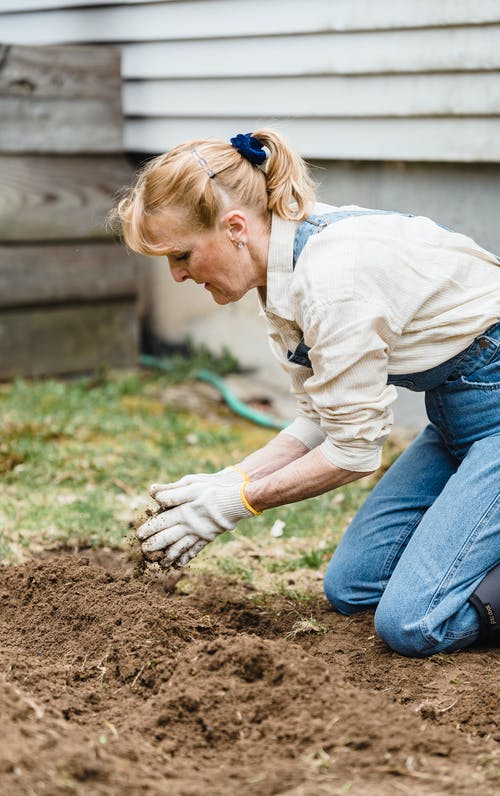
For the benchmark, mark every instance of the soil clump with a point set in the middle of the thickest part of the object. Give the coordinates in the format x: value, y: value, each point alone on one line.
x: 116, y: 681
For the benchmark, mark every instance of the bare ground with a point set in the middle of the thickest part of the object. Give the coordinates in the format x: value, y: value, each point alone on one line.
x: 117, y: 682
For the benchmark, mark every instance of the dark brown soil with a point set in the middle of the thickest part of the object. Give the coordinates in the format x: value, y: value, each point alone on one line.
x: 115, y: 683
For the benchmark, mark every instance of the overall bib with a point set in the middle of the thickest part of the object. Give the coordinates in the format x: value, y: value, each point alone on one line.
x: 429, y: 532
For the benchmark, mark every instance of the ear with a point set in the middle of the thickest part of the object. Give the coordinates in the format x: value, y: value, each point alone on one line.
x: 235, y: 223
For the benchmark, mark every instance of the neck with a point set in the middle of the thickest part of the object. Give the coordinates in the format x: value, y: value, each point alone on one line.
x: 258, y: 248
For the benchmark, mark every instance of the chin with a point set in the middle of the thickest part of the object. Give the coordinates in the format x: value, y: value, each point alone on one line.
x: 222, y: 298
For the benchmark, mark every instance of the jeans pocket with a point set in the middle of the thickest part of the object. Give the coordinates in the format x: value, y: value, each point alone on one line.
x: 486, y: 375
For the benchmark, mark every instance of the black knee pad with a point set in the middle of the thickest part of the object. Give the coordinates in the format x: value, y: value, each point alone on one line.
x: 486, y: 601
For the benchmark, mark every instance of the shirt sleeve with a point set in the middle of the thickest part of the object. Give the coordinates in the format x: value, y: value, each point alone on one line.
x: 306, y: 431
x: 349, y: 342
x: 297, y: 375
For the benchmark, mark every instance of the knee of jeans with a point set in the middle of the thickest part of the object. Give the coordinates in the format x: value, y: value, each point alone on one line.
x: 400, y: 629
x: 337, y: 589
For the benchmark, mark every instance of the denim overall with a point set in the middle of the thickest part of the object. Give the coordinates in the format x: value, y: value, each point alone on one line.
x: 429, y: 531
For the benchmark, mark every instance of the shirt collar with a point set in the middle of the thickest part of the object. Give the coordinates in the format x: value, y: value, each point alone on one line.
x: 280, y: 268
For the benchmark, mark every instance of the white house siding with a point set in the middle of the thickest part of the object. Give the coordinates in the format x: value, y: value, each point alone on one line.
x: 343, y: 79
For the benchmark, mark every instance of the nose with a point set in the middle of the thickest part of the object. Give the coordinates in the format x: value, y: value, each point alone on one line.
x: 179, y: 273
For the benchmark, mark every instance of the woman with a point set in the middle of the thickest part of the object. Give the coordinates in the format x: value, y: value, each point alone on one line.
x: 356, y: 301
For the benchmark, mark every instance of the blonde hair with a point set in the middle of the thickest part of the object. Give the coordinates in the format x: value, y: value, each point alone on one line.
x: 201, y: 176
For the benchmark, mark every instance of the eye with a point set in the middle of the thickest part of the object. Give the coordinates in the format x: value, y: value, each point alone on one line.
x: 179, y: 257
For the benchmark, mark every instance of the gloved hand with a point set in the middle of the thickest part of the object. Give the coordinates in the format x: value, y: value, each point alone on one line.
x: 199, y: 507
x: 190, y: 543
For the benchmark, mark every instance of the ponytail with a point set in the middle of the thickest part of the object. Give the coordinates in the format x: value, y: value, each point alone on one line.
x: 290, y: 189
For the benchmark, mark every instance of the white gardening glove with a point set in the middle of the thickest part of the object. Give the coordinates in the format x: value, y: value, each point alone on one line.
x: 199, y: 507
x: 192, y: 544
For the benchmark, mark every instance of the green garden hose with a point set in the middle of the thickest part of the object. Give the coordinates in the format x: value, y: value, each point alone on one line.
x: 237, y: 406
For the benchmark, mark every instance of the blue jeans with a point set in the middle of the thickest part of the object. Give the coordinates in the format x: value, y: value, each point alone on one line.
x: 430, y: 530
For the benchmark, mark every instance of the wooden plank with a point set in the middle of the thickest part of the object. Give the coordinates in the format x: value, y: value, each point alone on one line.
x: 60, y: 126
x: 448, y: 50
x: 61, y: 72
x: 70, y: 339
x: 471, y: 139
x: 395, y: 95
x: 51, y: 274
x: 195, y: 20
x: 58, y: 197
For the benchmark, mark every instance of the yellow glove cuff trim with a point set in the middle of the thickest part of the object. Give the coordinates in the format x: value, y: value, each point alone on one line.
x: 241, y: 472
x: 246, y: 503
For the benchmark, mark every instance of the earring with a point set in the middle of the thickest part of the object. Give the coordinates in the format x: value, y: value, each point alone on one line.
x: 240, y: 244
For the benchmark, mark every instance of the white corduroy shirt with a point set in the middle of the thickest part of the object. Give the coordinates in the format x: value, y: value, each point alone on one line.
x: 372, y: 295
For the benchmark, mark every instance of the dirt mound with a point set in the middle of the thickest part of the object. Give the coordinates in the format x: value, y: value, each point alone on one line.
x: 117, y: 683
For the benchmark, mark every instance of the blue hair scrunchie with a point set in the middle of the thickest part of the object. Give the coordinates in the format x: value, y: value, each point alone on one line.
x: 250, y: 148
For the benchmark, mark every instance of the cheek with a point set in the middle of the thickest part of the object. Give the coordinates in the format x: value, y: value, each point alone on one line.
x: 208, y: 255
x: 217, y: 260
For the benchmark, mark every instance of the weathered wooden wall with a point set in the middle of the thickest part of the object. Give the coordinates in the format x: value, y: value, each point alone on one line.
x: 68, y: 291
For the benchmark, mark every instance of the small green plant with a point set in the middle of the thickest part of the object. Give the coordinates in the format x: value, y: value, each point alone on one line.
x: 310, y: 559
x: 304, y: 627
x: 314, y: 559
x: 283, y: 587
x: 231, y: 566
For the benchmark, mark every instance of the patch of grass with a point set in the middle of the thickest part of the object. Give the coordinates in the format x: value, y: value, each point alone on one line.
x: 231, y: 566
x: 314, y: 558
x: 77, y: 457
x: 296, y: 594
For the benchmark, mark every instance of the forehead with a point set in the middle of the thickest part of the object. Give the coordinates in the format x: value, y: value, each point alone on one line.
x: 171, y: 229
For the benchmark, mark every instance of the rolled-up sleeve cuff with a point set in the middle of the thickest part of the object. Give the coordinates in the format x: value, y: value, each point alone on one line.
x: 306, y: 431
x: 357, y: 459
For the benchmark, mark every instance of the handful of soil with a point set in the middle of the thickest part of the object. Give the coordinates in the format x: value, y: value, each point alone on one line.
x: 145, y: 558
